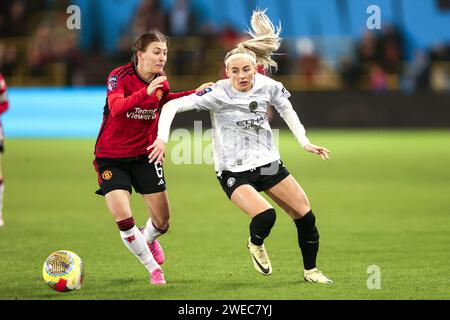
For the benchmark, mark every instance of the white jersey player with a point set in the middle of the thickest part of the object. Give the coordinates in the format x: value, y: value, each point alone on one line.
x: 246, y: 159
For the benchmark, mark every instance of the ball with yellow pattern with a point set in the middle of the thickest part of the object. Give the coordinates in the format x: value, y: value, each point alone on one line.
x: 63, y: 271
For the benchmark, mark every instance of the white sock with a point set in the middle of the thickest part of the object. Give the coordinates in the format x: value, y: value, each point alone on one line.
x: 150, y: 232
x: 135, y: 242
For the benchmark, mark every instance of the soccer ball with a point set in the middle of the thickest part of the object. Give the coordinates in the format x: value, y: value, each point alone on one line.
x: 63, y: 271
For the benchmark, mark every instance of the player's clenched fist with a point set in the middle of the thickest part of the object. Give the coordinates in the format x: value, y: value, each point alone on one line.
x: 156, y: 83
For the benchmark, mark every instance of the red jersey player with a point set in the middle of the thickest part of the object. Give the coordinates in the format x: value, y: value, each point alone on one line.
x: 3, y: 107
x: 136, y: 93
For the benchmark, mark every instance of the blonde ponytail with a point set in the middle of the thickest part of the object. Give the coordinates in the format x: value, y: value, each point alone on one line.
x: 265, y: 40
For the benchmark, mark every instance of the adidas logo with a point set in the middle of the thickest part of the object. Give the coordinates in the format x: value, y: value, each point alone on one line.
x: 161, y: 181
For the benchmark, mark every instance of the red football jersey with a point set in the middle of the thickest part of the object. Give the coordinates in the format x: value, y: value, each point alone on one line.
x: 130, y: 117
x: 3, y: 95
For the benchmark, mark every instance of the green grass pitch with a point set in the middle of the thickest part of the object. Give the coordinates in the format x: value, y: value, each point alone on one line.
x: 383, y: 199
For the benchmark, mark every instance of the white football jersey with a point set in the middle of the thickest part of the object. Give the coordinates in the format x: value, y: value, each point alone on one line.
x: 242, y: 137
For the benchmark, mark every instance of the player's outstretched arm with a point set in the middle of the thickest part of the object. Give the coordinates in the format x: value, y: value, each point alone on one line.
x: 321, y: 151
x: 291, y: 118
x: 168, y: 112
x: 204, y: 86
x: 176, y: 95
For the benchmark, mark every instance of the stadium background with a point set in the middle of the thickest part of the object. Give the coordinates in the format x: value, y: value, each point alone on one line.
x: 381, y: 199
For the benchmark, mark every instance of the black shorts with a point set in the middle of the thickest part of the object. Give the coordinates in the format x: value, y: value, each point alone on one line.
x: 261, y: 178
x: 123, y: 173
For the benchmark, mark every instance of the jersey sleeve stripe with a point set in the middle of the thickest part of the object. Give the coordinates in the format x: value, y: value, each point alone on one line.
x: 121, y: 72
x: 130, y: 73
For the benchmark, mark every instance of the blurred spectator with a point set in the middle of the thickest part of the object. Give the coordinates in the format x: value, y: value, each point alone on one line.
x: 367, y: 55
x: 350, y: 73
x: 14, y: 22
x: 440, y: 53
x: 39, y: 49
x: 367, y: 50
x: 149, y: 15
x: 64, y: 49
x: 229, y: 37
x: 421, y: 68
x: 378, y: 79
x: 283, y: 58
x: 440, y: 70
x: 391, y: 49
x: 52, y: 42
x: 9, y: 59
x: 181, y: 19
x: 41, y: 5
x: 208, y: 43
x: 417, y: 74
x: 181, y: 60
x: 376, y: 57
x: 440, y: 78
x: 308, y: 61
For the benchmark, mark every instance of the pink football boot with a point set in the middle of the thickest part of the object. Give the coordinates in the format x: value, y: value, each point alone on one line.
x: 157, y: 277
x: 155, y: 249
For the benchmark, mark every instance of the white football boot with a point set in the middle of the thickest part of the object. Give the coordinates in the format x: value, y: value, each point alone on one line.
x: 315, y: 276
x: 260, y: 258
